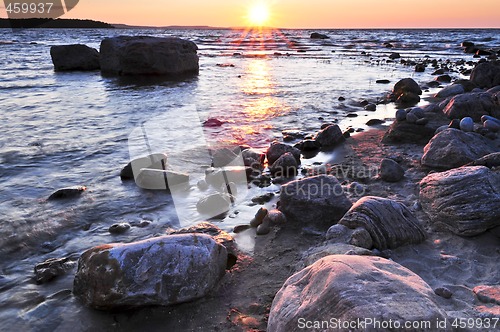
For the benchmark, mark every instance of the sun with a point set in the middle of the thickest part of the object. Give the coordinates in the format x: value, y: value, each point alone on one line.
x: 258, y: 14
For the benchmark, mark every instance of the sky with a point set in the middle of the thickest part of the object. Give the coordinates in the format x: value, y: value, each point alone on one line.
x: 294, y: 13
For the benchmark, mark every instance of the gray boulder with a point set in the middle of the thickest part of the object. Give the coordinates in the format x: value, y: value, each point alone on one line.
x: 277, y: 149
x: 490, y: 160
x: 74, y: 58
x: 391, y: 171
x: 406, y: 132
x: 450, y: 90
x: 406, y: 85
x: 453, y: 148
x: 350, y: 288
x: 486, y: 75
x: 285, y: 166
x: 330, y: 136
x: 160, y: 271
x: 465, y: 199
x: 142, y: 55
x: 389, y: 223
x: 318, y: 200
x: 474, y: 105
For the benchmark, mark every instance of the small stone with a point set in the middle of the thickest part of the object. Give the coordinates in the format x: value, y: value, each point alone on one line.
x: 382, y: 81
x: 443, y: 292
x: 240, y: 228
x: 275, y: 217
x: 420, y: 68
x: 259, y: 217
x: 51, y: 269
x: 263, y: 198
x: 391, y: 171
x: 70, y: 192
x: 492, y: 125
x: 418, y: 112
x: 371, y: 107
x: 374, y: 122
x: 341, y: 99
x: 444, y: 78
x: 400, y: 115
x: 491, y: 118
x: 119, y: 228
x: 214, y: 204
x: 422, y: 121
x: 351, y: 115
x: 411, y: 118
x: 467, y: 124
x: 264, y: 228
x: 394, y: 56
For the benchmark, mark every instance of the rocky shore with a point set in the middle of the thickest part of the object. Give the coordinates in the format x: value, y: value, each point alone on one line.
x: 405, y: 228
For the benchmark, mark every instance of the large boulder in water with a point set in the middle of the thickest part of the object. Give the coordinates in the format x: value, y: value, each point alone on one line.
x: 466, y: 200
x: 389, y: 223
x: 406, y: 92
x: 277, y: 149
x: 473, y: 105
x: 317, y: 201
x: 142, y: 55
x: 160, y: 271
x: 330, y: 137
x: 486, y: 75
x: 351, y: 288
x: 75, y: 57
x: 453, y: 148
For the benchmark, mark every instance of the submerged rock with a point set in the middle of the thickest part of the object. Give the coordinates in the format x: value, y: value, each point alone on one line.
x: 52, y: 268
x: 143, y: 55
x: 160, y: 271
x: 452, y: 148
x: 389, y: 223
x: 349, y: 288
x: 74, y: 58
x: 69, y: 192
x: 318, y: 200
x: 465, y: 199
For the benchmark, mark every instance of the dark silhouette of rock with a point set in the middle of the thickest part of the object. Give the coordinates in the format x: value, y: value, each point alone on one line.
x: 464, y: 199
x: 473, y: 105
x: 318, y: 201
x: 350, y: 288
x: 52, y: 268
x: 159, y: 271
x: 389, y: 223
x: 74, y: 58
x: 142, y: 55
x: 277, y: 149
x: 316, y: 35
x: 453, y: 148
x: 69, y: 192
x: 152, y: 161
x: 486, y: 75
x: 330, y: 137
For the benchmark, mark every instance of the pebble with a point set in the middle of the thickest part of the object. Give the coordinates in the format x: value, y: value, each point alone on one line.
x: 491, y: 118
x: 263, y: 198
x: 119, y: 228
x: 411, y: 118
x: 341, y: 99
x: 443, y: 292
x: 400, y: 115
x: 351, y: 115
x: 420, y: 68
x: 467, y: 124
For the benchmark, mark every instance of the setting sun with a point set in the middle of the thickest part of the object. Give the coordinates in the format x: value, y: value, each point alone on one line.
x: 258, y: 15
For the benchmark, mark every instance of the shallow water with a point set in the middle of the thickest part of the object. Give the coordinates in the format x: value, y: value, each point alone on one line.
x: 64, y: 129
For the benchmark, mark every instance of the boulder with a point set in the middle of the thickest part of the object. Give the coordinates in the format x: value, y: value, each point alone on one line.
x: 157, y: 179
x: 406, y: 85
x: 316, y: 35
x: 330, y: 136
x: 152, y: 161
x: 350, y: 288
x: 317, y: 200
x: 474, y: 105
x: 465, y: 200
x: 74, y: 58
x: 490, y: 160
x: 405, y: 132
x: 391, y: 171
x: 143, y: 55
x: 486, y: 75
x: 453, y: 148
x: 277, y: 149
x: 389, y: 223
x: 450, y: 90
x: 358, y: 237
x: 314, y: 254
x: 159, y: 271
x: 285, y: 166
x: 66, y: 193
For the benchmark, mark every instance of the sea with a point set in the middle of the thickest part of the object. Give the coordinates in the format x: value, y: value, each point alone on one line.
x: 75, y: 129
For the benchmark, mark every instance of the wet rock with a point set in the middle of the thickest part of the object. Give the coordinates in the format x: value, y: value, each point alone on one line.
x: 394, y: 56
x: 473, y: 105
x: 66, y: 193
x: 240, y: 228
x: 407, y: 98
x: 285, y: 166
x: 277, y: 149
x: 420, y: 68
x: 465, y: 200
x: 391, y: 171
x: 450, y: 90
x: 443, y: 292
x: 220, y: 236
x: 309, y: 145
x: 143, y: 55
x: 389, y: 223
x: 74, y: 58
x: 119, y: 228
x: 383, y: 81
x: 214, y: 204
x: 467, y: 124
x: 52, y: 268
x: 318, y: 200
x: 400, y: 115
x: 422, y: 121
x: 405, y: 132
x: 444, y: 78
x: 316, y: 35
x: 358, y: 237
x: 261, y: 199
x: 453, y: 148
x: 486, y: 74
x: 374, y: 122
x: 490, y: 160
x: 466, y: 84
x: 488, y: 294
x: 157, y: 179
x: 159, y: 271
x: 316, y: 253
x: 259, y: 217
x: 330, y: 136
x: 455, y: 124
x: 351, y: 288
x: 152, y: 161
x: 371, y: 107
x: 212, y: 123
